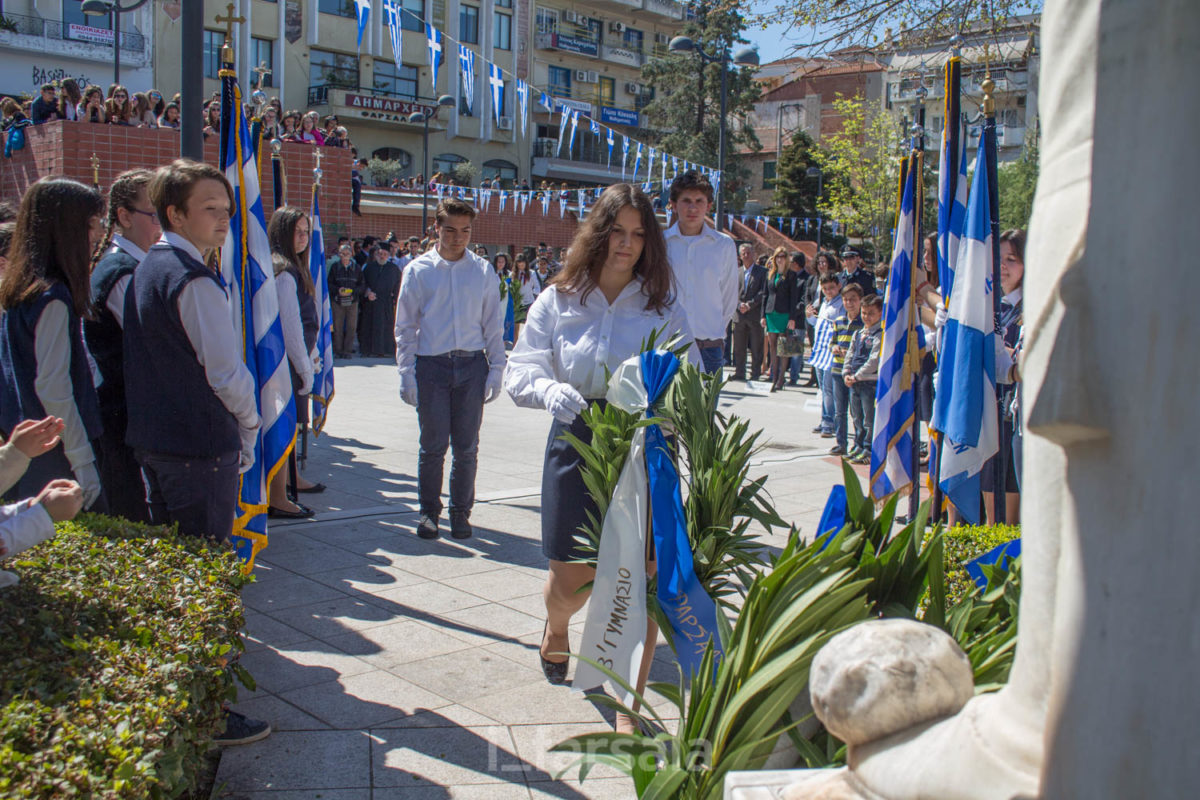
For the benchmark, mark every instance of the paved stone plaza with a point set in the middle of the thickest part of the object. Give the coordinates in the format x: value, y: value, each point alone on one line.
x: 394, y: 668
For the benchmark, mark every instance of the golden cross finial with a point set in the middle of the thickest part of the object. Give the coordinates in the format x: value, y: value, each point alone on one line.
x: 95, y: 169
x: 228, y: 20
x: 317, y: 168
x: 261, y: 71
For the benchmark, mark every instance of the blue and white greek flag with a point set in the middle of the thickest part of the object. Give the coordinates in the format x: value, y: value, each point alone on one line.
x: 624, y: 154
x: 563, y: 115
x: 611, y: 142
x: 433, y: 40
x: 466, y: 63
x: 895, y: 394
x: 391, y: 17
x: 362, y: 9
x: 637, y: 160
x: 496, y: 82
x: 952, y: 181
x: 824, y: 331
x: 246, y: 271
x: 574, y: 126
x: 965, y: 400
x: 523, y: 103
x: 322, y: 391
x: 594, y: 127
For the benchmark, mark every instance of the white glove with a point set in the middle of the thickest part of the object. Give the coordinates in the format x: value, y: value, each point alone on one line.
x: 89, y: 480
x: 306, y: 384
x: 494, y: 386
x: 315, y: 358
x: 564, y: 403
x: 408, y: 389
x: 940, y: 317
x: 249, y: 440
x: 1004, y: 361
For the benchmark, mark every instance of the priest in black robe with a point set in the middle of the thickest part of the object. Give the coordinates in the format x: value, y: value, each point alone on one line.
x: 377, y: 330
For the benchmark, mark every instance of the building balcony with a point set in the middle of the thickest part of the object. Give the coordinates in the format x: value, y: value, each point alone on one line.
x: 51, y: 35
x: 550, y: 40
x: 622, y: 55
x: 618, y: 6
x: 670, y: 9
x: 587, y: 162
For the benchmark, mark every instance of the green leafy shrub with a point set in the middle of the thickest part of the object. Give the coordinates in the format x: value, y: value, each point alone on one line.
x: 964, y: 543
x: 113, y: 650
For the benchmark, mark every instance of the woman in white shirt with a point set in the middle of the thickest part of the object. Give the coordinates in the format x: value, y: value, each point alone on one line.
x: 615, y: 290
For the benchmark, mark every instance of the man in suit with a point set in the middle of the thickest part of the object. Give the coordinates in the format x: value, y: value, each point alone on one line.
x: 747, y: 324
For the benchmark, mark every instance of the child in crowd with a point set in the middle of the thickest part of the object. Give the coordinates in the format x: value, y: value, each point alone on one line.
x: 44, y: 367
x: 862, y: 374
x: 823, y: 322
x: 31, y: 521
x: 844, y: 329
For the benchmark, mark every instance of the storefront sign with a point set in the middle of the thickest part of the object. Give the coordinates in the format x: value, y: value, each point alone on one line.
x: 384, y: 106
x: 86, y: 33
x: 574, y: 44
x: 619, y: 116
x: 574, y: 105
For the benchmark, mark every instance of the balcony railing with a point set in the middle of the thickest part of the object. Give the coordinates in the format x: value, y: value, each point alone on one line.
x: 664, y: 8
x: 622, y: 55
x: 54, y: 29
x: 586, y: 152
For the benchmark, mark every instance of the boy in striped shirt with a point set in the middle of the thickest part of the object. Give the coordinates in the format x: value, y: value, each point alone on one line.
x: 844, y: 328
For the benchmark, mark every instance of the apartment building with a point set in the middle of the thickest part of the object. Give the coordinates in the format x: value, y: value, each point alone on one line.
x: 588, y: 57
x: 42, y: 41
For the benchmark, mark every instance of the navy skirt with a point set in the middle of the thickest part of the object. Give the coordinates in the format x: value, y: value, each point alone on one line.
x: 565, y: 500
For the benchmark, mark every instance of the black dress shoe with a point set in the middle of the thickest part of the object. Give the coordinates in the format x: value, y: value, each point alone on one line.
x: 427, y: 528
x: 302, y: 512
x: 460, y: 525
x: 316, y: 488
x: 555, y: 672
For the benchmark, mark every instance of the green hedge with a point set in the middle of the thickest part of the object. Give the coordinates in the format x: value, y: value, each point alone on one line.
x: 111, y: 653
x: 964, y: 543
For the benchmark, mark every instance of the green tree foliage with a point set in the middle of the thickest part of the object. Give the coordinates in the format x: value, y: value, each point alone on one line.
x: 686, y: 110
x: 1017, y: 182
x: 795, y: 191
x: 860, y: 162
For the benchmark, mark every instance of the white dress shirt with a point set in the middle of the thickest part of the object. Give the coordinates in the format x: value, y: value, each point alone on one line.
x: 448, y: 305
x: 293, y: 326
x: 116, y: 296
x: 706, y: 278
x: 568, y: 341
x: 205, y: 313
x: 53, y: 385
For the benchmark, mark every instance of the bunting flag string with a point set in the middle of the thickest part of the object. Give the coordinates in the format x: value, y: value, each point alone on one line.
x: 433, y: 40
x: 391, y: 15
x: 362, y: 10
x: 523, y: 103
x: 496, y: 81
x: 466, y: 61
x: 624, y: 154
x: 610, y: 147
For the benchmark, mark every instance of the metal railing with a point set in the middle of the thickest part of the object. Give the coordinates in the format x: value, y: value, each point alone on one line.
x: 55, y: 29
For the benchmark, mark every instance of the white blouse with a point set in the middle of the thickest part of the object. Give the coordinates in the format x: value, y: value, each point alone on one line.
x: 567, y: 341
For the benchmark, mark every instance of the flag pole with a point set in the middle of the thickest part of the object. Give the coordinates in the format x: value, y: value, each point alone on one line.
x: 988, y: 142
x: 912, y: 352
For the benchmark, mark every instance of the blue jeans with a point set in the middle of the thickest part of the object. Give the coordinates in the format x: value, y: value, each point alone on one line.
x: 794, y: 364
x: 201, y: 494
x: 862, y: 409
x: 841, y: 402
x: 450, y: 411
x: 828, y: 407
x: 713, y: 358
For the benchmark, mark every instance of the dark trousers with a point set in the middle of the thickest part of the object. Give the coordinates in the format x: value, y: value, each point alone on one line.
x: 747, y: 331
x: 120, y: 473
x: 198, y: 493
x: 862, y: 410
x: 345, y: 328
x: 450, y: 411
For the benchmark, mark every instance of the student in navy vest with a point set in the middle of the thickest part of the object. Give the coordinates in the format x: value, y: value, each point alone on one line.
x: 450, y: 351
x: 193, y: 414
x: 289, y: 232
x: 44, y: 367
x: 132, y: 229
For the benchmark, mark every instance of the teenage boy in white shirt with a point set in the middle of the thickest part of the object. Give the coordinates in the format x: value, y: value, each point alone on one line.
x: 450, y: 352
x: 704, y: 262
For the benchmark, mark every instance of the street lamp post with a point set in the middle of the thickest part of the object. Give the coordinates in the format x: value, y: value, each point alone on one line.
x: 114, y: 10
x: 421, y: 117
x: 819, y: 174
x: 746, y: 57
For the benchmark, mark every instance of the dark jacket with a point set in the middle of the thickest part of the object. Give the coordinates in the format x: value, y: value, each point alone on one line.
x: 785, y: 296
x: 103, y: 334
x: 345, y: 283
x: 753, y: 290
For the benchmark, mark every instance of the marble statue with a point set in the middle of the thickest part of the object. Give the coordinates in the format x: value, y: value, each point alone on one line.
x: 1102, y: 701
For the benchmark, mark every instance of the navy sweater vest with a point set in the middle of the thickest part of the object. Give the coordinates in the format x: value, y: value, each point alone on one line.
x: 18, y: 365
x: 172, y: 408
x: 103, y: 334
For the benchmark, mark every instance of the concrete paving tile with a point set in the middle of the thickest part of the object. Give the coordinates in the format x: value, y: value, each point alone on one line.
x: 591, y: 789
x: 360, y: 701
x: 537, y: 702
x: 282, y: 715
x: 465, y: 676
x: 439, y: 559
x: 492, y: 622
x: 265, y: 631
x: 298, y: 760
x: 444, y: 757
x: 532, y: 604
x: 534, y: 743
x: 399, y: 643
x: 301, y: 664
x: 314, y: 557
x: 336, y: 617
x: 485, y: 791
x: 307, y: 794
x: 367, y: 579
x: 497, y: 585
x: 451, y: 716
x: 278, y: 589
x: 427, y: 598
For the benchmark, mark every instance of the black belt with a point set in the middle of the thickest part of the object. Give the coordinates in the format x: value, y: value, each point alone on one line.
x: 710, y: 343
x: 463, y: 353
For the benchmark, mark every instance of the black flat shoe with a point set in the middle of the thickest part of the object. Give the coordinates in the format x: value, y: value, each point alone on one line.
x: 556, y: 673
x: 316, y: 488
x: 303, y: 512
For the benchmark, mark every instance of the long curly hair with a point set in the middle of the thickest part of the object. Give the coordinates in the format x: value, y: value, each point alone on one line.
x: 47, y: 244
x: 589, y: 249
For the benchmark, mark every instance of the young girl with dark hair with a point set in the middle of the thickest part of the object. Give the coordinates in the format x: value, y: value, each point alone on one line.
x: 615, y: 289
x: 92, y: 108
x: 43, y: 364
x: 289, y: 233
x: 132, y: 230
x: 118, y: 108
x: 69, y: 98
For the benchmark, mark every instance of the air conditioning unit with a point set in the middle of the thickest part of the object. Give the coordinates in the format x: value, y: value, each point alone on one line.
x: 571, y: 16
x: 505, y: 124
x: 661, y: 38
x: 633, y: 88
x: 593, y: 77
x: 616, y: 27
x: 583, y: 76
